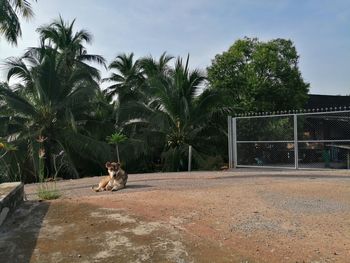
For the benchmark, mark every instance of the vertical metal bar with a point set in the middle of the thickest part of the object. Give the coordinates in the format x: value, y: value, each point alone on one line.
x: 229, y: 141
x: 296, y: 151
x: 234, y: 140
x: 189, y: 158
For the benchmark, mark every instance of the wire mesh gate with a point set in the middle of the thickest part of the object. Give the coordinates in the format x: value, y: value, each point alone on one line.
x: 310, y: 140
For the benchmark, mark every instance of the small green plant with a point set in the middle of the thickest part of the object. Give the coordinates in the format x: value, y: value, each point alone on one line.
x: 48, y: 191
x: 116, y: 138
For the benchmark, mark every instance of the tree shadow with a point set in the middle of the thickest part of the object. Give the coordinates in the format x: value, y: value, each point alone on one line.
x: 66, y: 189
x: 166, y: 179
x: 88, y: 186
x: 20, y: 232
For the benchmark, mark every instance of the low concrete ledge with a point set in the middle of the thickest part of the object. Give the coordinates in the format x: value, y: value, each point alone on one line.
x: 11, y: 195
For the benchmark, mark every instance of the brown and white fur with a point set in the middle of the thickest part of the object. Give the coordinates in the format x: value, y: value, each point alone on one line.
x: 115, y: 180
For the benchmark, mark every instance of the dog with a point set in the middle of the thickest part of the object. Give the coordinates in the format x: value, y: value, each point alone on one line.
x: 114, y: 181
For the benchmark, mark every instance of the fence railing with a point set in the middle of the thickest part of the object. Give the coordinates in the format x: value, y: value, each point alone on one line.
x: 300, y: 140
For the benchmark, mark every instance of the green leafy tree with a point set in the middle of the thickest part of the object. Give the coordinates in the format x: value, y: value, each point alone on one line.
x: 10, y: 26
x: 259, y: 76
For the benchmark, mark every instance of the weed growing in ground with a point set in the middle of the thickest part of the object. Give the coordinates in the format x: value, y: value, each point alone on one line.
x: 48, y: 191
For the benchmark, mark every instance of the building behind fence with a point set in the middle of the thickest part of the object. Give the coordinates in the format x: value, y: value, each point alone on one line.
x: 313, y: 139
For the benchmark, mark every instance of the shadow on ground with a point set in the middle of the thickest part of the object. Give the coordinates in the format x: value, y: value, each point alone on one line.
x: 19, y: 234
x: 86, y: 189
x: 296, y: 176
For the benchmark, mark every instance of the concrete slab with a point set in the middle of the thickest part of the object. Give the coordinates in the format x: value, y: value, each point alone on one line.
x: 11, y: 195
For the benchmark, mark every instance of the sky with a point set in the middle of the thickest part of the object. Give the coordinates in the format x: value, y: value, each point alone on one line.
x: 320, y: 30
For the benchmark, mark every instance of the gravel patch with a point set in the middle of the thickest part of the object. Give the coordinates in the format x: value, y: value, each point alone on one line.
x: 258, y: 222
x: 302, y: 205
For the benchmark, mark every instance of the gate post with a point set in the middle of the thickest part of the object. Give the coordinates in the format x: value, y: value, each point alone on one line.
x: 296, y: 151
x: 234, y: 141
x: 229, y: 142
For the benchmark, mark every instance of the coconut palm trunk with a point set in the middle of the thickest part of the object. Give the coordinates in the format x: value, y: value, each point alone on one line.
x: 117, y: 148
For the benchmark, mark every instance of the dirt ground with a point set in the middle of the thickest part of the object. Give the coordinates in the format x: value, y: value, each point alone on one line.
x: 239, y: 216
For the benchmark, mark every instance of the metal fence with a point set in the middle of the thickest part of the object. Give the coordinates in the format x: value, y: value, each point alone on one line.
x: 309, y: 140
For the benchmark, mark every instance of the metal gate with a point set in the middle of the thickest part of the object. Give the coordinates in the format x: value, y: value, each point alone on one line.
x: 298, y: 140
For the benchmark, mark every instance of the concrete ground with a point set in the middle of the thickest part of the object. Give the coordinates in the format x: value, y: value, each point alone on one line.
x: 238, y: 216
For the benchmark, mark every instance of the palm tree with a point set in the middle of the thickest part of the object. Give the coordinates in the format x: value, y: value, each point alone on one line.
x: 127, y: 91
x: 116, y: 139
x: 127, y: 84
x: 127, y: 78
x: 9, y: 23
x: 178, y: 108
x: 54, y: 100
x: 59, y: 35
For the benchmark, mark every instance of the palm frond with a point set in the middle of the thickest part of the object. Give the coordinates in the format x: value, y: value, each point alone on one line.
x: 17, y: 103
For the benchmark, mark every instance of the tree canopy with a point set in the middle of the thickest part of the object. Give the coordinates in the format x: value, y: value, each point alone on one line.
x: 259, y: 76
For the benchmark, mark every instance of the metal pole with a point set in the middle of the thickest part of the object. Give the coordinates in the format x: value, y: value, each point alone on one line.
x: 229, y: 141
x: 234, y: 139
x: 296, y: 151
x: 189, y: 157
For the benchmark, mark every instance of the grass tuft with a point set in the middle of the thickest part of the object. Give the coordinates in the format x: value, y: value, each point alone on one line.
x: 47, y: 191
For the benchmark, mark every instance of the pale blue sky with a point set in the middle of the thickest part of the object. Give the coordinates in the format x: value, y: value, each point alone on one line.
x: 320, y: 29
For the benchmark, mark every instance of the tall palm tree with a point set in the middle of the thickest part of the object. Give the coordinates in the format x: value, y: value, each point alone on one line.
x: 56, y: 110
x: 56, y: 99
x: 127, y: 91
x: 178, y: 108
x: 60, y: 35
x: 126, y: 77
x: 10, y: 26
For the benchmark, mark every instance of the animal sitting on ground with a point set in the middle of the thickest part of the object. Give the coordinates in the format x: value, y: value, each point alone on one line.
x: 115, y: 180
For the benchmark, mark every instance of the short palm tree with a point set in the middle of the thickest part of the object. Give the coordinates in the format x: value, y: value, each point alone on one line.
x: 116, y: 139
x: 10, y: 26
